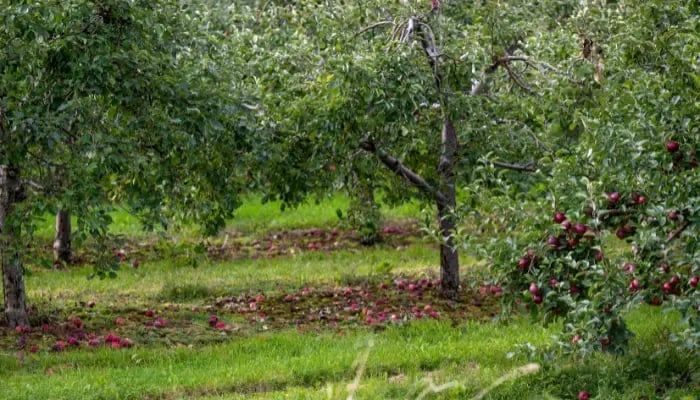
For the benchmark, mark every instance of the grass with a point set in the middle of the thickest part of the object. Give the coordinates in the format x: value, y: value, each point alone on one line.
x: 262, y: 360
x: 253, y: 217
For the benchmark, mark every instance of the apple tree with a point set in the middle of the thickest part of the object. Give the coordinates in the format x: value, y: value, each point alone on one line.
x: 113, y: 101
x: 417, y: 94
x: 621, y: 225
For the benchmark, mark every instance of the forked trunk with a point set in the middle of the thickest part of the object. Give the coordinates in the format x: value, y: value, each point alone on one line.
x: 62, y: 242
x: 12, y: 273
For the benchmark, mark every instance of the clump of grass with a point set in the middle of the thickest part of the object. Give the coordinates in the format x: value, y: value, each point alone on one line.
x: 179, y: 292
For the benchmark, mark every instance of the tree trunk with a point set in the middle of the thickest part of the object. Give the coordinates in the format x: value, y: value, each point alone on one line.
x: 364, y: 212
x: 449, y: 257
x: 12, y: 273
x: 62, y: 243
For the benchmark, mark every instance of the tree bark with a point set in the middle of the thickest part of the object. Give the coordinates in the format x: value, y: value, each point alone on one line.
x: 62, y: 242
x: 12, y: 274
x: 449, y: 256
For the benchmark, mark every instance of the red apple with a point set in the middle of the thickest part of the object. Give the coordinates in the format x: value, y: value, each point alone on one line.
x: 91, y: 304
x: 599, y: 256
x: 583, y: 395
x: 634, y: 285
x: 149, y: 313
x: 694, y: 281
x: 576, y: 339
x: 614, y: 197
x: 620, y: 233
x: 533, y: 288
x: 523, y: 263
x: 579, y: 228
x: 537, y: 299
x: 559, y: 217
x: 673, y: 215
x: 672, y: 146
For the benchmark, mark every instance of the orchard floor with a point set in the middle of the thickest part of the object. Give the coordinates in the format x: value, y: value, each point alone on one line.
x: 307, y: 314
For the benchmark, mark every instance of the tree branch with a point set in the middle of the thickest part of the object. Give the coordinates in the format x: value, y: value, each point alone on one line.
x: 674, y: 234
x: 373, y: 26
x: 529, y: 167
x: 504, y: 62
x: 404, y: 172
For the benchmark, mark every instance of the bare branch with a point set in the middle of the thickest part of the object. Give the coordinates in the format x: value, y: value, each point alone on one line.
x: 404, y: 172
x: 373, y: 26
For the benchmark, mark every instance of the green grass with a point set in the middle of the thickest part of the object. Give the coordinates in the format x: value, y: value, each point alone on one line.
x: 149, y: 281
x: 287, y: 364
x: 191, y: 360
x: 277, y: 361
x: 252, y: 217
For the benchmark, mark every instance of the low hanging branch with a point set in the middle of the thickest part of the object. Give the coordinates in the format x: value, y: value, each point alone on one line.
x: 403, y: 171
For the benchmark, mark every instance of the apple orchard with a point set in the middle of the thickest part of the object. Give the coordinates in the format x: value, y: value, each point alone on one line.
x: 565, y: 157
